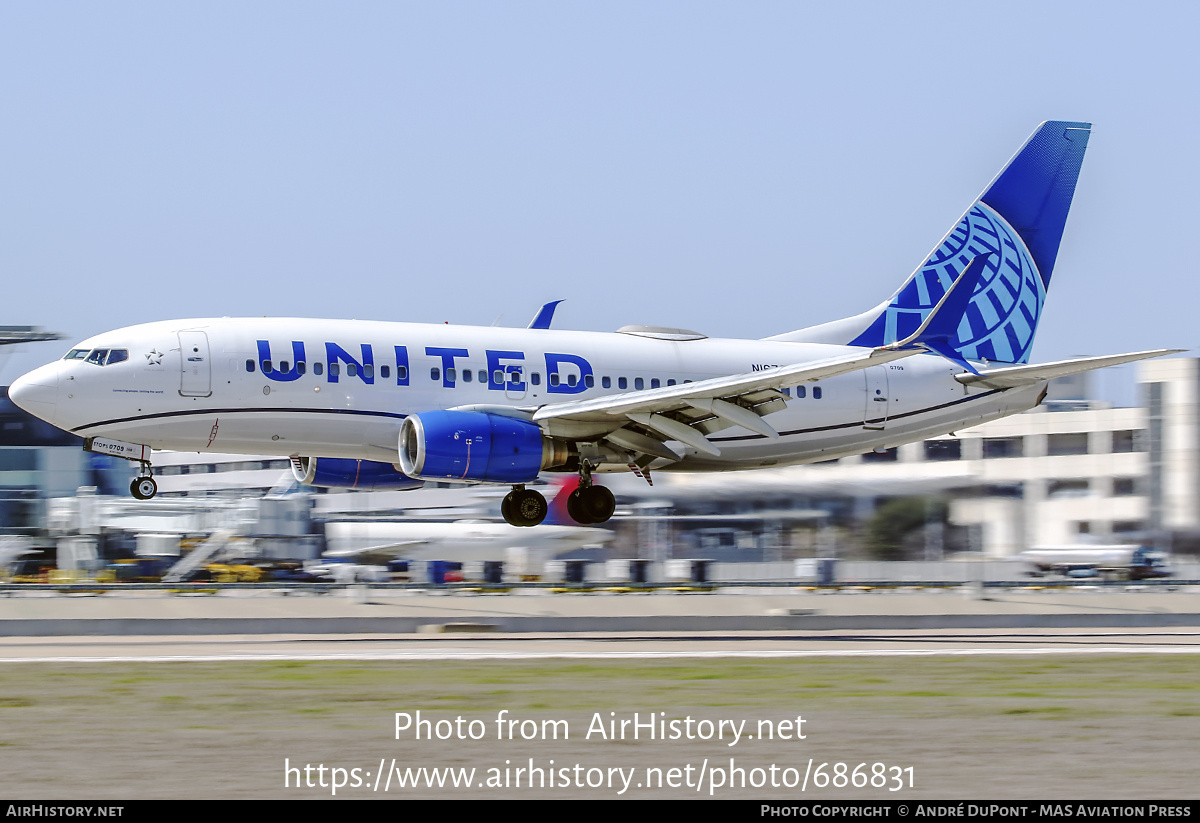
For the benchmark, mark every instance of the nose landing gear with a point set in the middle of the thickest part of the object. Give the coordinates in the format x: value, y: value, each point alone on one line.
x: 143, y: 486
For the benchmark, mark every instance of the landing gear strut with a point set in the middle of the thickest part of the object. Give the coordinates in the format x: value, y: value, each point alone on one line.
x: 590, y: 504
x: 143, y: 486
x: 524, y: 507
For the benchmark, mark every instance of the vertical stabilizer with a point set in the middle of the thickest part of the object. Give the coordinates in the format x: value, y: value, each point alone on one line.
x: 1018, y: 222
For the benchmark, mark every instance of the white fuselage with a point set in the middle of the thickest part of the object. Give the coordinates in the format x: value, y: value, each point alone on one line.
x: 203, y: 385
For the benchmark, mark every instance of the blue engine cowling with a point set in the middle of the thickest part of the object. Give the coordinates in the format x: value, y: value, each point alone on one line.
x: 340, y: 473
x: 475, y: 446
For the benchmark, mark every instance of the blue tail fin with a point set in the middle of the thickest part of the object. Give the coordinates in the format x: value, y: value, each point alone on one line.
x: 1019, y: 220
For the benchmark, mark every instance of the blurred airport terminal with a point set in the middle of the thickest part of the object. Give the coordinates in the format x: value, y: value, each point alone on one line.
x: 1073, y: 472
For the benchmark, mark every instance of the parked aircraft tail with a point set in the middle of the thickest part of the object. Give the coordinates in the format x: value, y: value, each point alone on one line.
x: 1018, y: 223
x: 562, y: 485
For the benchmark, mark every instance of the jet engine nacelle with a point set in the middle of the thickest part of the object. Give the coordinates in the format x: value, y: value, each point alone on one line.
x: 476, y: 446
x: 339, y: 473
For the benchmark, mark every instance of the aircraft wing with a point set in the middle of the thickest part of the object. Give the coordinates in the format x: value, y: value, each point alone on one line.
x: 689, y: 411
x: 1011, y: 377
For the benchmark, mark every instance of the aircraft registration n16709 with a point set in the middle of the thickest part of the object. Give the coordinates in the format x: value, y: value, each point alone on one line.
x: 391, y: 405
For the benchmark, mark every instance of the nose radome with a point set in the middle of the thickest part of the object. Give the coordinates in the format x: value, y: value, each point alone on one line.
x: 37, y: 392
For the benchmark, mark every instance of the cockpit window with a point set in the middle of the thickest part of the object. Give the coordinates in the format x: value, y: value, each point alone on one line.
x: 99, y: 357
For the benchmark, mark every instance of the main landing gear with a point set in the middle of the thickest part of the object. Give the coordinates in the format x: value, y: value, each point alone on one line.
x: 143, y: 486
x: 524, y: 507
x: 590, y: 504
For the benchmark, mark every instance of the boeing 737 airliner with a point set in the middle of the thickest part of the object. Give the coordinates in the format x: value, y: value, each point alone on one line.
x: 391, y: 405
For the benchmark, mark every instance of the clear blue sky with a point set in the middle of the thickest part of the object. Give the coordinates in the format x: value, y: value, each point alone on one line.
x: 740, y: 169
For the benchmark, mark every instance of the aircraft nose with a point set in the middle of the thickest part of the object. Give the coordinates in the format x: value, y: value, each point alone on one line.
x: 37, y: 392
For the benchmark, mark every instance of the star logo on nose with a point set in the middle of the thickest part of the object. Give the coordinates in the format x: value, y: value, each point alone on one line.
x: 154, y: 357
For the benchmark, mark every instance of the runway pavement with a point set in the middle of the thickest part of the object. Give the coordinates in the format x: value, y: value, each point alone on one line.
x: 387, y: 625
x: 247, y: 648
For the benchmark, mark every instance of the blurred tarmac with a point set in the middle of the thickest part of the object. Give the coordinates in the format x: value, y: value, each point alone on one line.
x: 361, y: 610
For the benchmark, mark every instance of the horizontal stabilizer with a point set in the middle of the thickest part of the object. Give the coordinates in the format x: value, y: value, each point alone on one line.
x: 1011, y: 377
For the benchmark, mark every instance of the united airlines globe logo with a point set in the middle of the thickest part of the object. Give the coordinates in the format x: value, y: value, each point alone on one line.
x: 1004, y: 311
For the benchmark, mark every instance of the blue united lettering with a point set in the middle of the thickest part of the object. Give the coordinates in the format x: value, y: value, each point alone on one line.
x: 505, y: 369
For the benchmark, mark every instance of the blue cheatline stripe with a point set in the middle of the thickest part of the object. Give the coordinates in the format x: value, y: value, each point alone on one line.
x: 208, y: 412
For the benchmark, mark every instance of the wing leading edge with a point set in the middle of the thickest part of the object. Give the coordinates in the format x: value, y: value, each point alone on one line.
x: 706, y: 405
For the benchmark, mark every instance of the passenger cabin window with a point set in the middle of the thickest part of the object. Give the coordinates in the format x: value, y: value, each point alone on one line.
x: 554, y: 379
x: 250, y: 365
x: 435, y: 373
x: 622, y: 383
x: 318, y: 368
x: 535, y: 378
x: 606, y: 382
x: 654, y: 383
x: 639, y: 383
x: 589, y: 381
x: 801, y: 391
x: 300, y: 367
x: 266, y: 366
x: 816, y: 392
x: 385, y: 372
x: 334, y: 369
x: 402, y: 372
x: 467, y: 375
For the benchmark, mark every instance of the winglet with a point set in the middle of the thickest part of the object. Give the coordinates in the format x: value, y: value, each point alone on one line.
x: 940, y: 327
x: 544, y: 316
